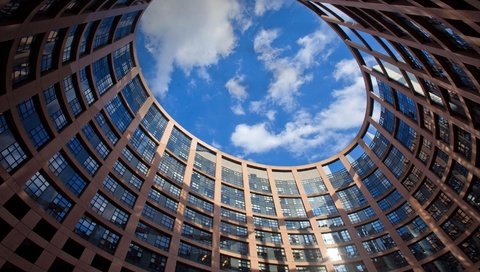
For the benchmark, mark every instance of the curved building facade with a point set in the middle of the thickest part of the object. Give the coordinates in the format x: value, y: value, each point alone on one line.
x: 95, y: 175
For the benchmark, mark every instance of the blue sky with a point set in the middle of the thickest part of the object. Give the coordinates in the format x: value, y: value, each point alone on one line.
x: 263, y: 80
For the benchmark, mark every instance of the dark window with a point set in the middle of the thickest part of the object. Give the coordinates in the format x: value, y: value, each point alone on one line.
x: 73, y: 248
x: 61, y: 265
x: 101, y: 263
x: 29, y: 250
x: 45, y: 229
x: 17, y: 207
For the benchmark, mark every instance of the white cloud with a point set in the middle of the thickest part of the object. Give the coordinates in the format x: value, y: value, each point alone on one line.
x: 345, y: 69
x: 189, y: 35
x: 271, y: 115
x: 238, y: 92
x: 262, y: 6
x: 216, y: 144
x: 237, y: 109
x: 329, y: 129
x: 289, y: 73
x: 254, y: 139
x: 203, y: 74
x: 236, y: 88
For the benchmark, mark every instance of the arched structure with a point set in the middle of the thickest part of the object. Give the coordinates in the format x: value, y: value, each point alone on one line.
x: 96, y: 175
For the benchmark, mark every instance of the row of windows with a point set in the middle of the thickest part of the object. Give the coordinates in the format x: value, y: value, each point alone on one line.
x: 105, y: 208
x: 23, y: 64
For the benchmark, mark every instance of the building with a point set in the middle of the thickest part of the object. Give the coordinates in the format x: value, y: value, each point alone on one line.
x: 96, y: 175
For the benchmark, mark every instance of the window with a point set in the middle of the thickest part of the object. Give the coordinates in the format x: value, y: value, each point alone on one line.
x: 145, y: 258
x: 400, y: 214
x: 198, y: 218
x: 196, y: 234
x: 390, y: 261
x: 152, y: 236
x: 32, y: 123
x: 82, y: 156
x: 396, y: 162
x: 440, y: 206
x: 292, y: 207
x: 379, y: 244
x: 446, y: 262
x: 51, y: 200
x: 118, y: 113
x: 273, y: 253
x: 103, y: 32
x: 361, y: 215
x: 297, y: 225
x: 228, y: 263
x: 471, y: 246
x: 234, y: 216
x: 106, y: 128
x: 390, y: 201
x: 127, y: 175
x: 167, y: 186
x: 314, y: 186
x: 122, y: 61
x: 258, y: 180
x: 49, y: 47
x: 143, y: 144
x: 85, y: 38
x: 370, y: 229
x: 337, y: 174
x: 413, y: 229
x: 472, y: 196
x: 97, y: 234
x: 67, y: 174
x: 268, y: 237
x: 457, y: 224
x: 426, y: 247
x: 179, y: 144
x: 302, y: 239
x: 172, y: 168
x: 68, y: 54
x: 134, y: 94
x: 95, y: 141
x: 265, y: 222
x: 307, y: 255
x: 232, y: 176
x: 158, y: 217
x: 322, y: 205
x: 86, y: 87
x: 11, y: 153
x: 202, y: 185
x: 377, y: 184
x: 233, y: 245
x: 200, y: 203
x: 154, y: 122
x: 163, y: 200
x: 286, y: 187
x: 352, y: 198
x: 195, y: 253
x: 333, y: 222
x: 231, y: 229
x: 262, y: 204
x: 22, y: 66
x: 233, y: 197
x: 119, y: 191
x: 336, y: 237
x: 101, y: 73
x: 125, y: 26
x: 406, y: 135
x: 205, y: 160
x: 360, y: 161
